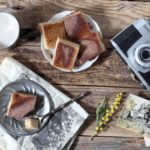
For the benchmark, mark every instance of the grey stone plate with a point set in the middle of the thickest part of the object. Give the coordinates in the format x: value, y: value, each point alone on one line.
x: 43, y: 105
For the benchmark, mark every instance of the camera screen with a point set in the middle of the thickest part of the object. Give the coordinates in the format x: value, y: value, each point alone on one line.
x: 127, y: 38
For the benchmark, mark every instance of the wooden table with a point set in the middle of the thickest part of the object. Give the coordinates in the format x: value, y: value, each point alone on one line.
x: 108, y: 76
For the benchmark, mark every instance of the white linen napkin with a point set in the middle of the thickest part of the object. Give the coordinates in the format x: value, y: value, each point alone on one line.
x: 72, y: 117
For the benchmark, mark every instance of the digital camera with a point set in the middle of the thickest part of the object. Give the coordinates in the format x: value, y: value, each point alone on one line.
x: 133, y: 44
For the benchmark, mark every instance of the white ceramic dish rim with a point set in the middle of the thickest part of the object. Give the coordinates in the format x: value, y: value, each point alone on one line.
x: 17, y: 31
x: 58, y: 17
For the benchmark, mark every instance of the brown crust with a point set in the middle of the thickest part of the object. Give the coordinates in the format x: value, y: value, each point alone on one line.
x: 76, y: 26
x: 65, y: 54
x: 50, y: 33
x: 20, y: 104
x: 91, y: 47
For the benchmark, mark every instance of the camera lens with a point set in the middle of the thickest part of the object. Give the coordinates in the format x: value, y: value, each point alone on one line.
x: 145, y: 54
x: 142, y: 55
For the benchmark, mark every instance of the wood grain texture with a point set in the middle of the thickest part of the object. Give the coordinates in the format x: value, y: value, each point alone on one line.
x: 3, y: 4
x: 106, y: 77
x: 109, y: 70
x: 101, y: 143
x: 112, y: 16
x: 90, y: 102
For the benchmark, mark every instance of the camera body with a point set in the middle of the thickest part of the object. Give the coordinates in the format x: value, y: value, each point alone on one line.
x: 133, y: 44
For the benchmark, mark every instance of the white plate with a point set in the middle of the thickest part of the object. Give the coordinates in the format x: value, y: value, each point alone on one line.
x: 95, y: 28
x: 9, y: 30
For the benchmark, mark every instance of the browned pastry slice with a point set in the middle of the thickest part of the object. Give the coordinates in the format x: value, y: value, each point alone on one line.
x: 50, y: 32
x: 76, y: 27
x: 65, y: 54
x: 20, y: 105
x: 91, y: 47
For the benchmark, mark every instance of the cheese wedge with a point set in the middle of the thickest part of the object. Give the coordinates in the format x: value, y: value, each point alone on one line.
x: 31, y: 124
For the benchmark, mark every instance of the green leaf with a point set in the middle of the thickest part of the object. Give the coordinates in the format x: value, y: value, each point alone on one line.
x: 101, y: 109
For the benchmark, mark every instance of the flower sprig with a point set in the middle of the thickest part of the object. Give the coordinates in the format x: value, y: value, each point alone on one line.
x: 104, y: 112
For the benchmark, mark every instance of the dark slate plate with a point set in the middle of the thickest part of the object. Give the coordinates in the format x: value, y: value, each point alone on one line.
x: 43, y: 105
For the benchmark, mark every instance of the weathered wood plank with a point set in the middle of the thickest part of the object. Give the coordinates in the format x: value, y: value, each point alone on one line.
x: 103, y: 79
x: 90, y: 103
x: 139, y: 0
x: 3, y: 4
x: 109, y: 70
x: 112, y: 16
x: 111, y: 131
x: 101, y: 143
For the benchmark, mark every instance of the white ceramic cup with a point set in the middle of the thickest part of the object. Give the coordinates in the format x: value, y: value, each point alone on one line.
x: 9, y: 30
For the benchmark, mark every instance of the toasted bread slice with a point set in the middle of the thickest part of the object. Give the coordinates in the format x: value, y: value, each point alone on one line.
x: 76, y: 26
x: 20, y: 105
x: 50, y: 32
x: 65, y: 54
x: 91, y: 46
